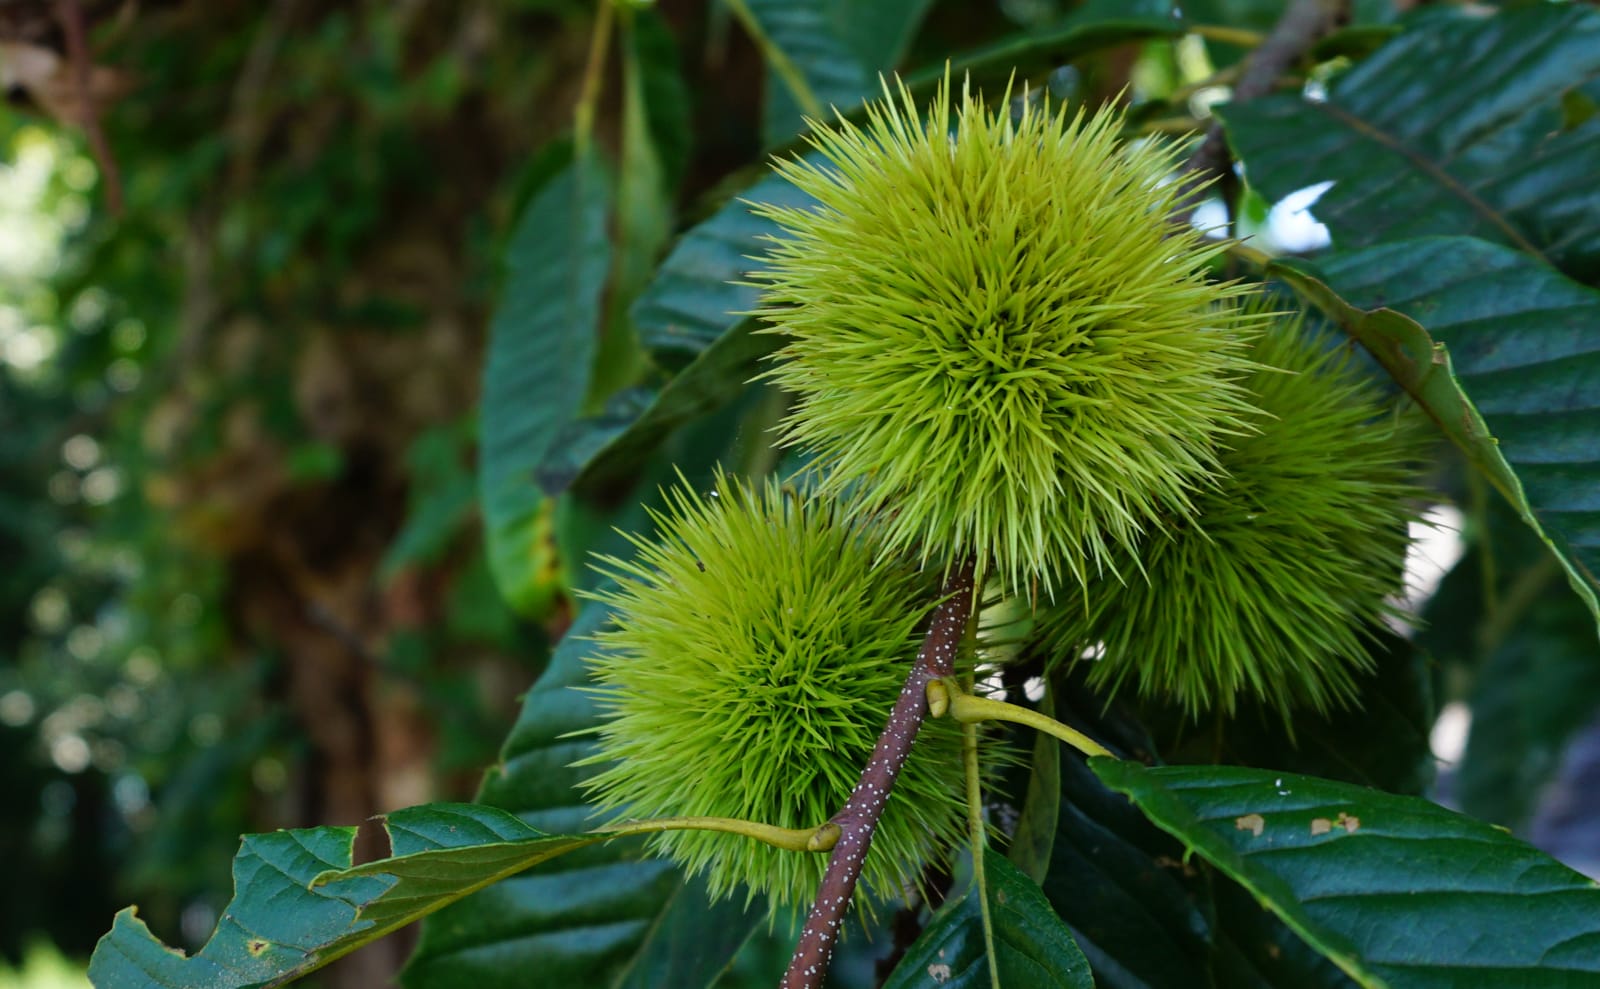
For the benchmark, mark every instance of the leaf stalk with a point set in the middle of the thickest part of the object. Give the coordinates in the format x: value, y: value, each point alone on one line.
x: 945, y: 697
x: 817, y: 839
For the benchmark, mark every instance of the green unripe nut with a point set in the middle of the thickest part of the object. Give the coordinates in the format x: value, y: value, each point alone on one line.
x: 757, y: 647
x: 1274, y: 588
x: 999, y: 338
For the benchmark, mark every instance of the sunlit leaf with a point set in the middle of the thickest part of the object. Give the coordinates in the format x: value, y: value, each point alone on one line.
x: 299, y: 904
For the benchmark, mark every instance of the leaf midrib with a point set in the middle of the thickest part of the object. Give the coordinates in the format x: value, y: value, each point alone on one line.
x: 1429, y: 168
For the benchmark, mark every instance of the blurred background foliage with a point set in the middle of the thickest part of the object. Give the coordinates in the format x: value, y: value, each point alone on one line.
x: 244, y: 304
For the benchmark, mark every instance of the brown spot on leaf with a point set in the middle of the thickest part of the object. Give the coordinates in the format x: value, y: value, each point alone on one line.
x: 1253, y: 823
x: 1321, y: 825
x: 257, y: 946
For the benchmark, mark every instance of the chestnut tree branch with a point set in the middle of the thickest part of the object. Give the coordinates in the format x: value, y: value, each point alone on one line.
x: 74, y: 30
x: 1301, y: 26
x: 859, y: 817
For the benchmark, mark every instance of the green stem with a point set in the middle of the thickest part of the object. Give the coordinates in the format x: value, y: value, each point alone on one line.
x: 1228, y: 35
x: 974, y: 780
x: 1256, y: 259
x: 774, y: 56
x: 818, y: 839
x: 593, y: 74
x: 980, y: 885
x: 947, y: 698
x: 1221, y: 77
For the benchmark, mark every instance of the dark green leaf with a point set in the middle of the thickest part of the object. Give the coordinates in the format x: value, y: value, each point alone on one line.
x: 298, y: 904
x: 838, y: 47
x: 1032, y: 947
x: 666, y: 96
x: 1399, y: 892
x: 1453, y: 128
x: 587, y: 526
x: 1256, y: 950
x: 1035, y: 837
x: 816, y: 49
x: 607, y: 917
x: 1091, y: 26
x: 1541, y: 685
x: 878, y: 33
x: 1138, y: 911
x: 1381, y: 740
x: 1523, y: 342
x: 541, y: 347
x: 710, y: 381
x: 640, y: 227
x: 699, y: 291
x: 1146, y: 916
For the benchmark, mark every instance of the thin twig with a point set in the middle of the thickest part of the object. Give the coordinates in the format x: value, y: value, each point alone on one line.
x: 859, y: 817
x: 1300, y: 27
x: 76, y: 34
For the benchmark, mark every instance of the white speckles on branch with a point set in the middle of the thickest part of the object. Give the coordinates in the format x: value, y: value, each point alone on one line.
x: 859, y: 817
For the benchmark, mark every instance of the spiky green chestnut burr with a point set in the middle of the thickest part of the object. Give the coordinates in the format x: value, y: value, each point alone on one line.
x: 757, y: 646
x: 1272, y: 589
x: 999, y: 338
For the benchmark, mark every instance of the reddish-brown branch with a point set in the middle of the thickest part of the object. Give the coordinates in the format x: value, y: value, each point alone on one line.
x: 859, y: 816
x: 1300, y: 27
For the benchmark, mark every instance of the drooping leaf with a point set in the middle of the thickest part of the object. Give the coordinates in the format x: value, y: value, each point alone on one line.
x: 640, y: 226
x: 542, y: 345
x: 606, y: 917
x: 1519, y: 388
x: 1398, y: 891
x: 1453, y: 128
x: 1032, y: 946
x: 700, y: 291
x: 298, y: 904
x: 667, y: 102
